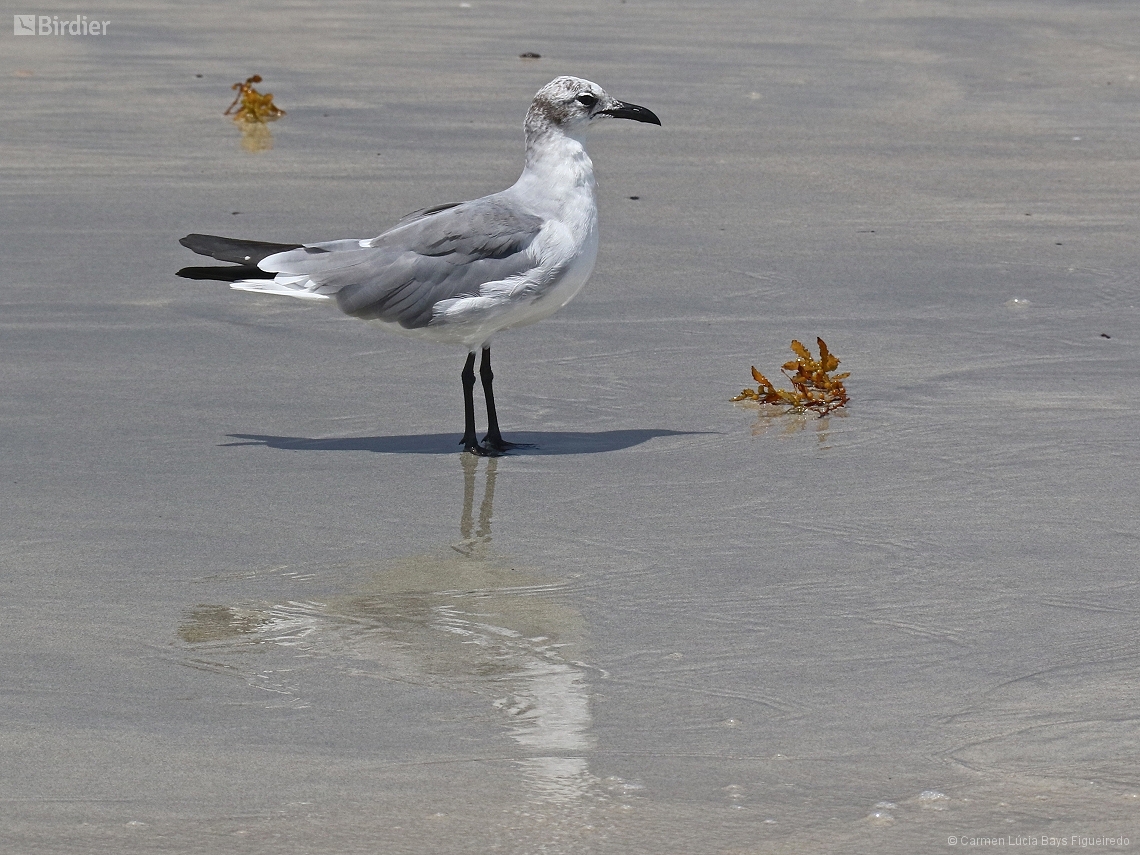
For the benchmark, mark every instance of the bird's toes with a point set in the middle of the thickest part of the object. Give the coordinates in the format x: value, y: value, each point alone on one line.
x: 481, y: 450
x: 501, y: 445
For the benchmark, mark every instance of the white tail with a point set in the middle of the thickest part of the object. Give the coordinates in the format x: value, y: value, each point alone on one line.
x: 285, y: 286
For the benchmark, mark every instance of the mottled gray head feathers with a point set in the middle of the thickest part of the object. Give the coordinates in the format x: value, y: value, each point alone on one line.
x: 572, y: 104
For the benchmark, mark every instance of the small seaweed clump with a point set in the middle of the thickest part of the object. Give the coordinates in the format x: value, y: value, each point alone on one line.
x: 814, y: 387
x: 255, y: 107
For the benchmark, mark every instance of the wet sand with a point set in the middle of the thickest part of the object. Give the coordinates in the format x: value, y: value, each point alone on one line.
x: 255, y: 599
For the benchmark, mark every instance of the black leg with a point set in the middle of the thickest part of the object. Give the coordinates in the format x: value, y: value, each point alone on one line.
x: 493, y: 439
x: 470, y: 442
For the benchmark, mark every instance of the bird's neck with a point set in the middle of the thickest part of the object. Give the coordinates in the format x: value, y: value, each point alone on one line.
x: 559, y: 164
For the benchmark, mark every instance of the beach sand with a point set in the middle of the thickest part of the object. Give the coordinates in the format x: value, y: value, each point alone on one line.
x: 255, y: 600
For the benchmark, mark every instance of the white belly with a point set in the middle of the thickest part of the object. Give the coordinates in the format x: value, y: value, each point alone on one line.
x: 562, y: 291
x: 471, y: 321
x: 562, y: 255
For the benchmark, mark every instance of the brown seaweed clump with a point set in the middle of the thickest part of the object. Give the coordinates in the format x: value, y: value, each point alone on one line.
x: 814, y: 386
x: 254, y: 107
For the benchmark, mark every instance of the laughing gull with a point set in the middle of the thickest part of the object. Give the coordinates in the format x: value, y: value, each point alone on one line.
x: 459, y: 273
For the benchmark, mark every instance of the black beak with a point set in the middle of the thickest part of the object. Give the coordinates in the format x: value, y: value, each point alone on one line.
x: 622, y: 110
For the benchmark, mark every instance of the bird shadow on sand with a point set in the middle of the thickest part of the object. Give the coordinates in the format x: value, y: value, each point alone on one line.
x: 538, y: 442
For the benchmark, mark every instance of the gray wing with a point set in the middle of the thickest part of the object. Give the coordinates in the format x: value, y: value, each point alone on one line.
x: 432, y: 255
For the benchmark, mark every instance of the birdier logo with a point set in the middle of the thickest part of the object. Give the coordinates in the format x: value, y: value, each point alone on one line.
x: 53, y: 25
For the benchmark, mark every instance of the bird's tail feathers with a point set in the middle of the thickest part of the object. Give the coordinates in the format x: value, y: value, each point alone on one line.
x: 301, y: 287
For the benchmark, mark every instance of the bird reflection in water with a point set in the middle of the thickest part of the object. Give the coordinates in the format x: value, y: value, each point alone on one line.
x: 481, y: 538
x: 463, y: 620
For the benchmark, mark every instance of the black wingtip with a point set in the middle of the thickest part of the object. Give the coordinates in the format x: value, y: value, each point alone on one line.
x: 233, y: 273
x: 247, y: 252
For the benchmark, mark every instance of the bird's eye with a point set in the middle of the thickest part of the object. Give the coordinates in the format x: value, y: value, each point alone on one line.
x: 587, y: 100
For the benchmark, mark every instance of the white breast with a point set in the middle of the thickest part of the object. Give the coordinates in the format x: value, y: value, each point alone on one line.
x: 556, y: 185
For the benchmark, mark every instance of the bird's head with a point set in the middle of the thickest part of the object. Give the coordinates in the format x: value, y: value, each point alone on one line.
x: 572, y: 104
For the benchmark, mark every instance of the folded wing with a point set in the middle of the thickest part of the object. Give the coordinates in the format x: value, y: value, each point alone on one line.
x: 433, y: 255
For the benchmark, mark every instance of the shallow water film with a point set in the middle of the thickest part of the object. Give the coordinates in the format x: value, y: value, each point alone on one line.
x: 256, y: 599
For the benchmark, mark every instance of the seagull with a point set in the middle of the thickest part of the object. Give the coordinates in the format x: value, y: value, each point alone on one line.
x: 459, y: 273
